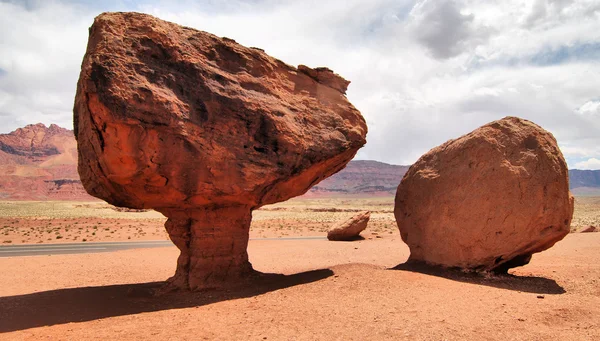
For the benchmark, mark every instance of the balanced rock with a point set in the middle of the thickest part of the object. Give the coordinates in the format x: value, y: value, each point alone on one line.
x: 488, y: 200
x: 204, y: 130
x: 350, y: 229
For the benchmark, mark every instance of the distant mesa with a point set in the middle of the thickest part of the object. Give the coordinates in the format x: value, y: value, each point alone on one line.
x: 486, y: 201
x: 362, y: 177
x: 585, y: 182
x: 204, y: 130
x: 39, y: 163
x: 36, y: 141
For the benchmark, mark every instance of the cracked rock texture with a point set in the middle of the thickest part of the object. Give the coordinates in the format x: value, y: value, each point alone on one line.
x: 488, y: 200
x: 350, y: 229
x: 204, y: 130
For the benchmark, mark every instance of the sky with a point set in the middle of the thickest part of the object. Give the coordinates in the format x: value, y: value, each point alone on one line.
x: 422, y: 71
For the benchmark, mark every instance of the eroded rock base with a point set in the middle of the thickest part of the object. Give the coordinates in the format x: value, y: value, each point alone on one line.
x: 213, y: 243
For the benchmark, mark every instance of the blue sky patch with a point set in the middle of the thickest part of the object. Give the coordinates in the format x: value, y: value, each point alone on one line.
x: 563, y: 54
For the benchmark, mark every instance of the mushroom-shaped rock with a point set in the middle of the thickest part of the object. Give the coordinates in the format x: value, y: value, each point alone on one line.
x: 204, y: 130
x: 350, y: 229
x: 488, y: 200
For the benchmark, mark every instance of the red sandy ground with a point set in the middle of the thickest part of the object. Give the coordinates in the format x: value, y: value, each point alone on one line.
x: 334, y: 291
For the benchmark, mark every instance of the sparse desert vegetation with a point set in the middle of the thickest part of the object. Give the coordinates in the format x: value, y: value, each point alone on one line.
x: 36, y: 222
x: 587, y: 212
x: 63, y: 222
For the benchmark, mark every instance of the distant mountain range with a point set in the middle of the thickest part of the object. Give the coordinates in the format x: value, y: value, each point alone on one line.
x: 40, y: 163
x: 363, y: 177
x: 584, y: 182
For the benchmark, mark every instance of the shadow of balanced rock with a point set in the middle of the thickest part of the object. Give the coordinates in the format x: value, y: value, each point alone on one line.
x: 488, y: 200
x: 204, y: 130
x: 47, y: 308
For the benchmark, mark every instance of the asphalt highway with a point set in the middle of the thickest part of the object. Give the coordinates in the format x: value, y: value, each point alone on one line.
x: 95, y: 247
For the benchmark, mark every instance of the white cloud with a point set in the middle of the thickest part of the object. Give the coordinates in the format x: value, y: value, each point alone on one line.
x: 441, y: 27
x: 422, y: 72
x: 40, y: 55
x: 591, y: 164
x: 590, y: 108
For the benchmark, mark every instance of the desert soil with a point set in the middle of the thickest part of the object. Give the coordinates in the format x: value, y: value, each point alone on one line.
x: 27, y: 222
x: 37, y: 222
x: 331, y: 291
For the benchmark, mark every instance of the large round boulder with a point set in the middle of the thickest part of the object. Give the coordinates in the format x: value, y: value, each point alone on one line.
x: 488, y: 200
x: 204, y: 130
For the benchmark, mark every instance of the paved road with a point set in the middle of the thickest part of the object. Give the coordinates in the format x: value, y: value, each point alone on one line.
x: 71, y: 248
x: 74, y: 248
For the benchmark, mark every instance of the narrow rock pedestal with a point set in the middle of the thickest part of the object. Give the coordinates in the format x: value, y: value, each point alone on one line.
x: 213, y: 243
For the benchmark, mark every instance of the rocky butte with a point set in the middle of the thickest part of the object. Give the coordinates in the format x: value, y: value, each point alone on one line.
x: 488, y: 200
x: 204, y: 130
x: 37, y: 163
